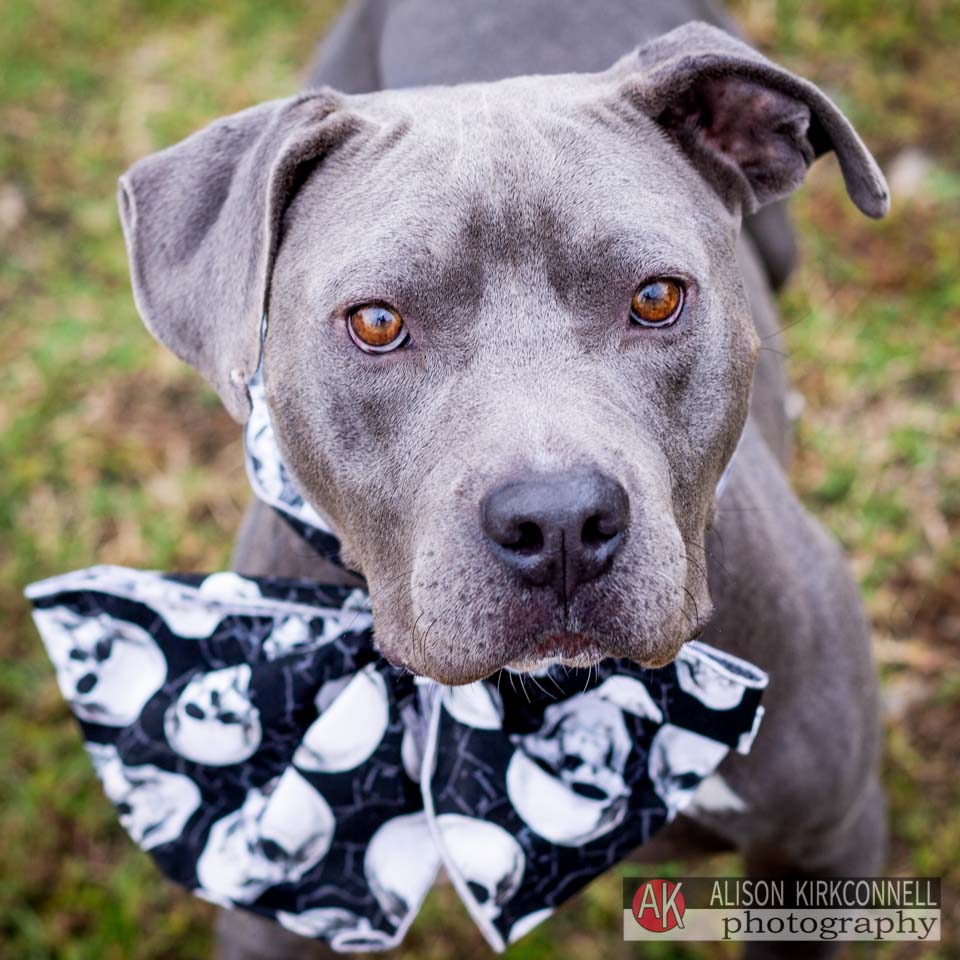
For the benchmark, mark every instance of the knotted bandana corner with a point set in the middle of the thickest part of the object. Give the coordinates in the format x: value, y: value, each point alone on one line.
x: 258, y: 746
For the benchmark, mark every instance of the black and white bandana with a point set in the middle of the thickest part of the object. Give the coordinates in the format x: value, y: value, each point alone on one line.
x: 258, y: 746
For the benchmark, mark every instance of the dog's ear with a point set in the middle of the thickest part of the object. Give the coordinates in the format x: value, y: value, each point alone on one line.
x: 749, y: 127
x: 202, y: 222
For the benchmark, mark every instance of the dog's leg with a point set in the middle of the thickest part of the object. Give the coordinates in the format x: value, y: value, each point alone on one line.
x: 855, y: 848
x: 245, y: 936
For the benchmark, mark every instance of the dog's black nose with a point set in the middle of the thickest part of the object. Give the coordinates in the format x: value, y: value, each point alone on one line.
x: 557, y: 530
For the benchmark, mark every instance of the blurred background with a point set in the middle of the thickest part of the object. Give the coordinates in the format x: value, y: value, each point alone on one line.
x: 111, y: 451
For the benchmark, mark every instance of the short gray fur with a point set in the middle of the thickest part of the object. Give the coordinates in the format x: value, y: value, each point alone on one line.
x: 509, y: 221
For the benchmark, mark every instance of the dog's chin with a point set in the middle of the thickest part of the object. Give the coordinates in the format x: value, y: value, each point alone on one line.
x: 582, y: 651
x: 572, y: 650
x: 529, y: 634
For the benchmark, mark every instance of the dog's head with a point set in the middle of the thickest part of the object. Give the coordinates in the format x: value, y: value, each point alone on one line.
x: 509, y: 348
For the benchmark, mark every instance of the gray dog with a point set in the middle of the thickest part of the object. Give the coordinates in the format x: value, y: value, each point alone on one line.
x: 514, y: 341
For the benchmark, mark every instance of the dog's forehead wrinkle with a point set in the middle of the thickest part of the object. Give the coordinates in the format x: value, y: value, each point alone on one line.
x: 485, y: 192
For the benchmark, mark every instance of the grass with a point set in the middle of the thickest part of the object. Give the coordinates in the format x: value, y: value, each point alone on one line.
x: 114, y: 452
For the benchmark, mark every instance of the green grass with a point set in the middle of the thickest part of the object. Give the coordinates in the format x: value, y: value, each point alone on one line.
x: 113, y: 452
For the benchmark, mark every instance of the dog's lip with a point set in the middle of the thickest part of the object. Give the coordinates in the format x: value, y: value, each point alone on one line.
x: 581, y: 650
x: 569, y: 648
x: 563, y: 643
x: 555, y: 646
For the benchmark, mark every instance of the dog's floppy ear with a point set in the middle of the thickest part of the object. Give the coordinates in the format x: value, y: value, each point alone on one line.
x: 202, y: 220
x: 749, y: 127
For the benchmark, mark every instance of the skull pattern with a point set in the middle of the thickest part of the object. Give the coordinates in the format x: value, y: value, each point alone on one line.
x: 342, y: 929
x: 566, y: 780
x: 400, y: 864
x: 488, y: 861
x: 154, y: 805
x: 679, y: 760
x: 107, y: 669
x: 281, y: 831
x: 710, y: 687
x: 348, y: 731
x: 214, y: 721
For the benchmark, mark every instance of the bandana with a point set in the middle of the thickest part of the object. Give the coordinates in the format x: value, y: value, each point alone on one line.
x: 255, y: 742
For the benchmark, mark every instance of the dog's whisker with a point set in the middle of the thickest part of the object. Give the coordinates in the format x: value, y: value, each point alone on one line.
x: 709, y: 557
x: 539, y: 686
x: 554, y: 680
x: 780, y: 353
x: 426, y: 636
x: 413, y: 631
x: 696, y: 623
x: 698, y: 568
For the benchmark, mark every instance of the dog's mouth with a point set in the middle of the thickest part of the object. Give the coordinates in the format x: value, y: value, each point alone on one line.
x: 461, y: 644
x: 578, y: 650
x: 571, y: 649
x: 574, y: 647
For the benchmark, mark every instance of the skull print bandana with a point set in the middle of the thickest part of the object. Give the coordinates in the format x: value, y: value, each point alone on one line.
x: 255, y: 742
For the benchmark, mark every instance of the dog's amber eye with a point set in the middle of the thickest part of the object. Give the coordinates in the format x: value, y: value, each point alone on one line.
x: 376, y: 328
x: 657, y: 303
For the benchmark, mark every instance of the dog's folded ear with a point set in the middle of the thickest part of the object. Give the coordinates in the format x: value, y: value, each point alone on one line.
x: 202, y: 222
x: 750, y: 127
